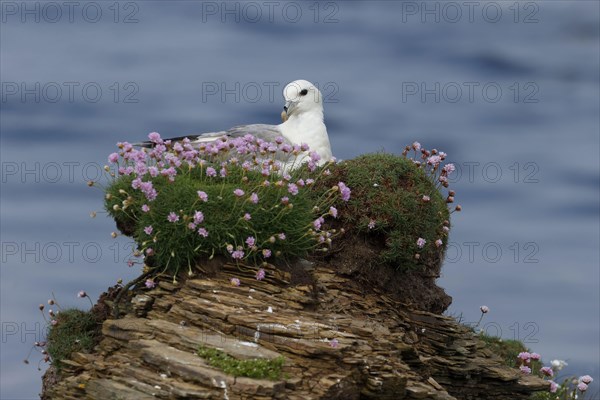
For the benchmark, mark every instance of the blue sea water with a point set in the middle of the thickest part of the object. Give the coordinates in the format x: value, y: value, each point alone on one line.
x: 510, y: 90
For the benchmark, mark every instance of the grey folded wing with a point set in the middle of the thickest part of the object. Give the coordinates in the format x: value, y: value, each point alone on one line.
x: 263, y: 131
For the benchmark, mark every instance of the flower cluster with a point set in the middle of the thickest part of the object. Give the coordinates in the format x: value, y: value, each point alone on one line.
x: 432, y: 162
x: 244, y: 198
x: 572, y: 388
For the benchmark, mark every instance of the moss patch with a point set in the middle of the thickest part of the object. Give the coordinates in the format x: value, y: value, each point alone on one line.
x: 255, y: 368
x: 75, y: 331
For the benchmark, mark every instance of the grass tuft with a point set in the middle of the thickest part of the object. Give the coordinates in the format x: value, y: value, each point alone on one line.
x: 254, y: 368
x: 75, y: 331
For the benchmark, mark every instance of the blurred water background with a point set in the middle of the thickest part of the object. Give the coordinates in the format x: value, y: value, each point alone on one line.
x: 510, y: 90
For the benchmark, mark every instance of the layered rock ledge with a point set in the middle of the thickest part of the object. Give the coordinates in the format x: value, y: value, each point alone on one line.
x: 339, y: 341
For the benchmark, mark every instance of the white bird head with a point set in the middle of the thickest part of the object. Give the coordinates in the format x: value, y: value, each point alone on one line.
x: 301, y: 97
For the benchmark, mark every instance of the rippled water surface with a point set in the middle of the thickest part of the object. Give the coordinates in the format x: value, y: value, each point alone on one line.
x: 509, y: 90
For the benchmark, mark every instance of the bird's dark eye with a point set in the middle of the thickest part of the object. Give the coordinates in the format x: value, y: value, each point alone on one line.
x: 303, y: 92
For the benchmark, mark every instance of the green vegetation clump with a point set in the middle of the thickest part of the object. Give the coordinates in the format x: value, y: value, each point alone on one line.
x: 75, y: 331
x: 397, y: 202
x: 231, y: 198
x: 176, y: 244
x: 507, y: 349
x: 254, y: 368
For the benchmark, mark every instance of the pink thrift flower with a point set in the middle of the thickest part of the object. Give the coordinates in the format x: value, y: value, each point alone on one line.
x: 266, y: 253
x: 148, y: 230
x: 484, y: 309
x: 333, y: 212
x: 113, y: 158
x: 582, y: 387
x: 237, y: 255
x: 334, y: 343
x: 260, y: 274
x: 211, y: 172
x: 553, y: 387
x: 198, y: 217
x: 149, y: 251
x: 145, y: 208
x: 345, y: 191
x: 238, y: 192
x: 191, y: 226
x: 426, y: 199
x: 438, y: 243
x: 524, y: 356
x: 150, y: 284
x: 82, y: 294
x: 317, y: 223
x: 535, y: 356
x: 250, y: 241
x: 202, y: 196
x: 293, y: 189
x: 421, y: 242
x: 416, y: 146
x: 254, y: 198
x: 586, y: 379
x: 371, y: 224
x: 524, y: 369
x: 235, y: 281
x: 155, y: 137
x: 203, y: 232
x: 281, y: 236
x: 172, y: 217
x: 285, y: 200
x: 547, y: 371
x: 54, y: 322
x: 434, y: 160
x: 247, y: 217
x: 449, y: 168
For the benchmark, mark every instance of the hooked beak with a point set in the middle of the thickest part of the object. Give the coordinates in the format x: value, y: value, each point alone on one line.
x: 288, y: 110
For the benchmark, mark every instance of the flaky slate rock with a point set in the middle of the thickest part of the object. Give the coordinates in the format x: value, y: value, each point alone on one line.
x: 338, y: 340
